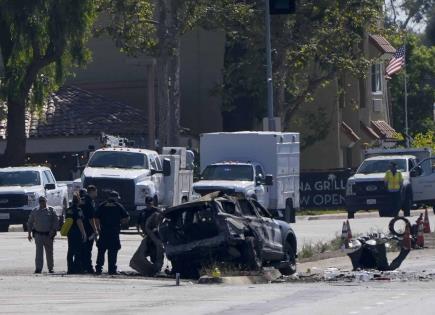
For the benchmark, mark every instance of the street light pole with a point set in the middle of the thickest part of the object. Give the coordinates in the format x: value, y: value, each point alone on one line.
x: 270, y: 113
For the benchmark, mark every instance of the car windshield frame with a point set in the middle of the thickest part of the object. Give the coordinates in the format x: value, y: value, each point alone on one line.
x: 381, y: 166
x: 215, y: 172
x: 31, y: 179
x: 116, y: 161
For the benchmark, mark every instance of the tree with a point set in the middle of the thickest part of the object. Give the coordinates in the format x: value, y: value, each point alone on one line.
x: 402, y: 12
x: 420, y: 70
x: 154, y: 28
x: 322, y: 40
x: 40, y: 40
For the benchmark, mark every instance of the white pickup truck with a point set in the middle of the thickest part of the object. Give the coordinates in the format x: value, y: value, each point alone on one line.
x: 139, y: 173
x: 259, y: 165
x: 20, y: 188
x: 366, y: 188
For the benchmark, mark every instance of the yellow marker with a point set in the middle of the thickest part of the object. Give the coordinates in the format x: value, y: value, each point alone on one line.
x: 216, y: 273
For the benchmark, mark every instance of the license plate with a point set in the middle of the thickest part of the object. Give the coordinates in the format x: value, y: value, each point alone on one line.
x: 5, y: 216
x: 371, y: 201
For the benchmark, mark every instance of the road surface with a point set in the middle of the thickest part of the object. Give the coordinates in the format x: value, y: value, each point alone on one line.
x: 25, y: 293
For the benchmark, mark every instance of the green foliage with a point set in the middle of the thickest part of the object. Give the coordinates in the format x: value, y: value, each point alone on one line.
x: 424, y: 140
x: 420, y: 69
x: 322, y: 39
x: 40, y: 40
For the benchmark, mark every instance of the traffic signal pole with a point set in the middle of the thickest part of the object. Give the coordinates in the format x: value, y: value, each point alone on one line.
x: 270, y: 112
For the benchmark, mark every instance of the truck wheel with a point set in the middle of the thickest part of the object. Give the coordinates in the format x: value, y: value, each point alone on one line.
x: 251, y: 255
x: 290, y: 258
x: 4, y: 227
x: 289, y: 212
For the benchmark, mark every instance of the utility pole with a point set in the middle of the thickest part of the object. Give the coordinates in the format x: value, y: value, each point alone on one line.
x: 270, y: 111
x: 406, y: 110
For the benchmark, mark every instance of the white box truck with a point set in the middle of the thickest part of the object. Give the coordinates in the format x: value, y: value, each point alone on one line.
x: 259, y: 165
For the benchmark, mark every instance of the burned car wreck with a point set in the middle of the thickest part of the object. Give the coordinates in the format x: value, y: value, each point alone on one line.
x: 221, y: 228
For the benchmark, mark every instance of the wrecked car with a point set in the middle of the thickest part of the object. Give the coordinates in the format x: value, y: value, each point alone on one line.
x: 220, y: 228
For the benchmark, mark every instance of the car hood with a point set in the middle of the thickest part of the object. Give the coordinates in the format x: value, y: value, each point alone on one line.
x: 115, y: 173
x: 229, y: 184
x: 375, y: 177
x: 19, y: 189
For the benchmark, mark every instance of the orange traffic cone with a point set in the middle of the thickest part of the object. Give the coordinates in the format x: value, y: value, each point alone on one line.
x: 344, y: 235
x: 426, y: 223
x: 406, y: 242
x: 420, y: 235
x: 349, y: 231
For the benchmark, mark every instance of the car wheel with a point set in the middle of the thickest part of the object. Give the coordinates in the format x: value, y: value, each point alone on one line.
x: 25, y: 227
x: 351, y: 213
x: 4, y: 227
x: 290, y: 258
x: 251, y: 254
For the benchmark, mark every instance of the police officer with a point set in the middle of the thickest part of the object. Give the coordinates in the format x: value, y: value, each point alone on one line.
x: 43, y: 224
x: 76, y: 237
x: 394, y: 182
x: 88, y: 207
x: 109, y: 217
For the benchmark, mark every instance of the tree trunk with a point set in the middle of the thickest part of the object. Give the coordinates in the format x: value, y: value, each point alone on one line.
x: 15, y: 152
x: 168, y: 78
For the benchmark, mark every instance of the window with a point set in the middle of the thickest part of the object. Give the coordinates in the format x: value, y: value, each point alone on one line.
x: 20, y: 178
x: 261, y: 210
x: 411, y: 164
x: 247, y: 208
x: 118, y: 159
x: 49, y: 177
x: 153, y: 162
x: 228, y: 172
x: 376, y: 78
x: 45, y: 179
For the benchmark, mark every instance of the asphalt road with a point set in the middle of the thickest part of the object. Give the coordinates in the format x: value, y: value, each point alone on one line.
x: 21, y: 292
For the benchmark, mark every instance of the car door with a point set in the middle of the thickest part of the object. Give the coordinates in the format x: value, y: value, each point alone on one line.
x: 273, y: 229
x: 256, y: 223
x: 260, y: 186
x: 423, y: 180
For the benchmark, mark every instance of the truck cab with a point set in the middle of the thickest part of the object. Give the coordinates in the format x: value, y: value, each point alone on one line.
x: 20, y: 188
x: 366, y: 189
x: 136, y: 174
x: 248, y: 179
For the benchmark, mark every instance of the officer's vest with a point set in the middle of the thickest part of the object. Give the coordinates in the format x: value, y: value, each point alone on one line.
x: 393, y: 181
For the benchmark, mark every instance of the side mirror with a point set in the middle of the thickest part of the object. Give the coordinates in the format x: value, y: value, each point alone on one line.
x: 50, y: 186
x: 417, y: 171
x: 269, y: 180
x: 259, y: 180
x: 166, y: 167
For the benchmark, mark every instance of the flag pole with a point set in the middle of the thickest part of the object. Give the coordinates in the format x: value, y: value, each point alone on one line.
x: 406, y: 109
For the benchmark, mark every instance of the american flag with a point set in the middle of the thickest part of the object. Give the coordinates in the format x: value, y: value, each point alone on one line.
x: 396, y: 63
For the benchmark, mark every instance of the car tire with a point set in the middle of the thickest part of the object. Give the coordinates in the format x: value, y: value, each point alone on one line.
x: 25, y: 227
x: 4, y: 227
x: 290, y: 254
x: 251, y: 255
x: 351, y: 213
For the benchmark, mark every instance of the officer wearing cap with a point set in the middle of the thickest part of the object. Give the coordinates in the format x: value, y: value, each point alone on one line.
x: 43, y: 224
x: 108, y: 218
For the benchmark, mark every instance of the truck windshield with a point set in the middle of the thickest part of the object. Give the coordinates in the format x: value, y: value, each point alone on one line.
x: 380, y: 166
x: 20, y: 178
x: 228, y: 172
x: 116, y: 159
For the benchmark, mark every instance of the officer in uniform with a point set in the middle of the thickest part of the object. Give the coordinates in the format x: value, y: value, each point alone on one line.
x: 76, y: 237
x: 394, y: 182
x: 88, y: 207
x: 109, y: 217
x: 43, y: 224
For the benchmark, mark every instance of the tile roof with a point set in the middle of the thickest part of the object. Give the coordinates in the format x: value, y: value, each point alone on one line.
x: 384, y: 130
x: 75, y: 112
x: 369, y: 131
x: 349, y: 132
x: 382, y: 44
